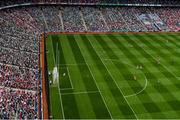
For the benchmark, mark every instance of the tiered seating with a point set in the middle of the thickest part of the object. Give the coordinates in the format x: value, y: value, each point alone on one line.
x: 93, y: 19
x: 20, y: 29
x: 114, y: 19
x: 72, y: 20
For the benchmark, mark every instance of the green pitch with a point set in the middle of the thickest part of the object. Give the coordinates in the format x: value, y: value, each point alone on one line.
x: 117, y: 76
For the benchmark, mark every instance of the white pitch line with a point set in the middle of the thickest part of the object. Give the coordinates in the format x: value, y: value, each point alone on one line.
x: 100, y: 92
x: 70, y: 78
x: 75, y: 64
x: 72, y: 64
x: 146, y: 82
x: 58, y: 85
x: 54, y: 62
x: 160, y: 63
x: 116, y: 60
x: 66, y: 88
x: 96, y: 84
x: 77, y: 93
x: 140, y: 90
x: 170, y: 72
x: 114, y: 81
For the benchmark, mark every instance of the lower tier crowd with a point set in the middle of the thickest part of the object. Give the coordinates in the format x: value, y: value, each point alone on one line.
x: 20, y: 30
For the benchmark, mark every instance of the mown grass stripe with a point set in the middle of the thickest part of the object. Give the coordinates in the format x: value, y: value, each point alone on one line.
x: 121, y: 102
x: 86, y: 57
x: 147, y: 73
x: 173, y: 39
x: 162, y: 41
x: 89, y: 83
x: 172, y: 60
x: 156, y: 50
x: 130, y: 55
x: 64, y: 80
x: 70, y: 107
x: 73, y: 113
x: 119, y: 65
x: 161, y: 68
x: 175, y: 63
x: 54, y: 98
x: 96, y: 101
x: 100, y: 81
x: 113, y: 78
x: 78, y: 84
x: 167, y: 73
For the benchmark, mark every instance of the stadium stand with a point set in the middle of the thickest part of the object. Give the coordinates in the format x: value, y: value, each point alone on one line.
x: 20, y: 28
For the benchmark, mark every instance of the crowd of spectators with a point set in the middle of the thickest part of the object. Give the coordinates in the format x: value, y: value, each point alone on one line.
x: 17, y: 104
x: 51, y: 19
x: 18, y: 77
x: 94, y: 19
x: 72, y: 21
x: 114, y: 19
x: 19, y: 43
x: 18, y: 58
x: 19, y: 71
x: 131, y: 19
x: 169, y: 16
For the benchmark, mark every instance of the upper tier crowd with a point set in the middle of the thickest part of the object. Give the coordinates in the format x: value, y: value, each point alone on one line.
x: 20, y: 29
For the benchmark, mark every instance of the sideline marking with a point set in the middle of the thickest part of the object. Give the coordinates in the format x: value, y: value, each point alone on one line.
x: 114, y: 81
x: 146, y: 81
x: 95, y: 82
x: 160, y: 63
x: 58, y: 82
x: 77, y: 93
x: 70, y: 78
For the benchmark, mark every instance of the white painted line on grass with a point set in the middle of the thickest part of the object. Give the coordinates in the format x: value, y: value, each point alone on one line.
x: 66, y: 88
x: 146, y: 81
x: 70, y: 78
x: 117, y: 60
x: 114, y: 81
x: 140, y: 90
x: 58, y: 84
x: 160, y: 63
x: 96, y: 84
x: 77, y: 93
x: 100, y: 92
x: 74, y: 64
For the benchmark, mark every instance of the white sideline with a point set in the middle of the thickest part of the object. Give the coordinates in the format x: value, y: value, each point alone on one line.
x: 96, y: 83
x: 72, y: 87
x: 66, y: 88
x: 58, y: 87
x: 160, y: 63
x: 72, y: 64
x: 77, y: 93
x: 116, y: 60
x: 70, y: 78
x: 146, y: 81
x: 114, y: 81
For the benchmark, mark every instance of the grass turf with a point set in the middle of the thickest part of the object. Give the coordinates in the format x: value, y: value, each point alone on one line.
x: 99, y: 78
